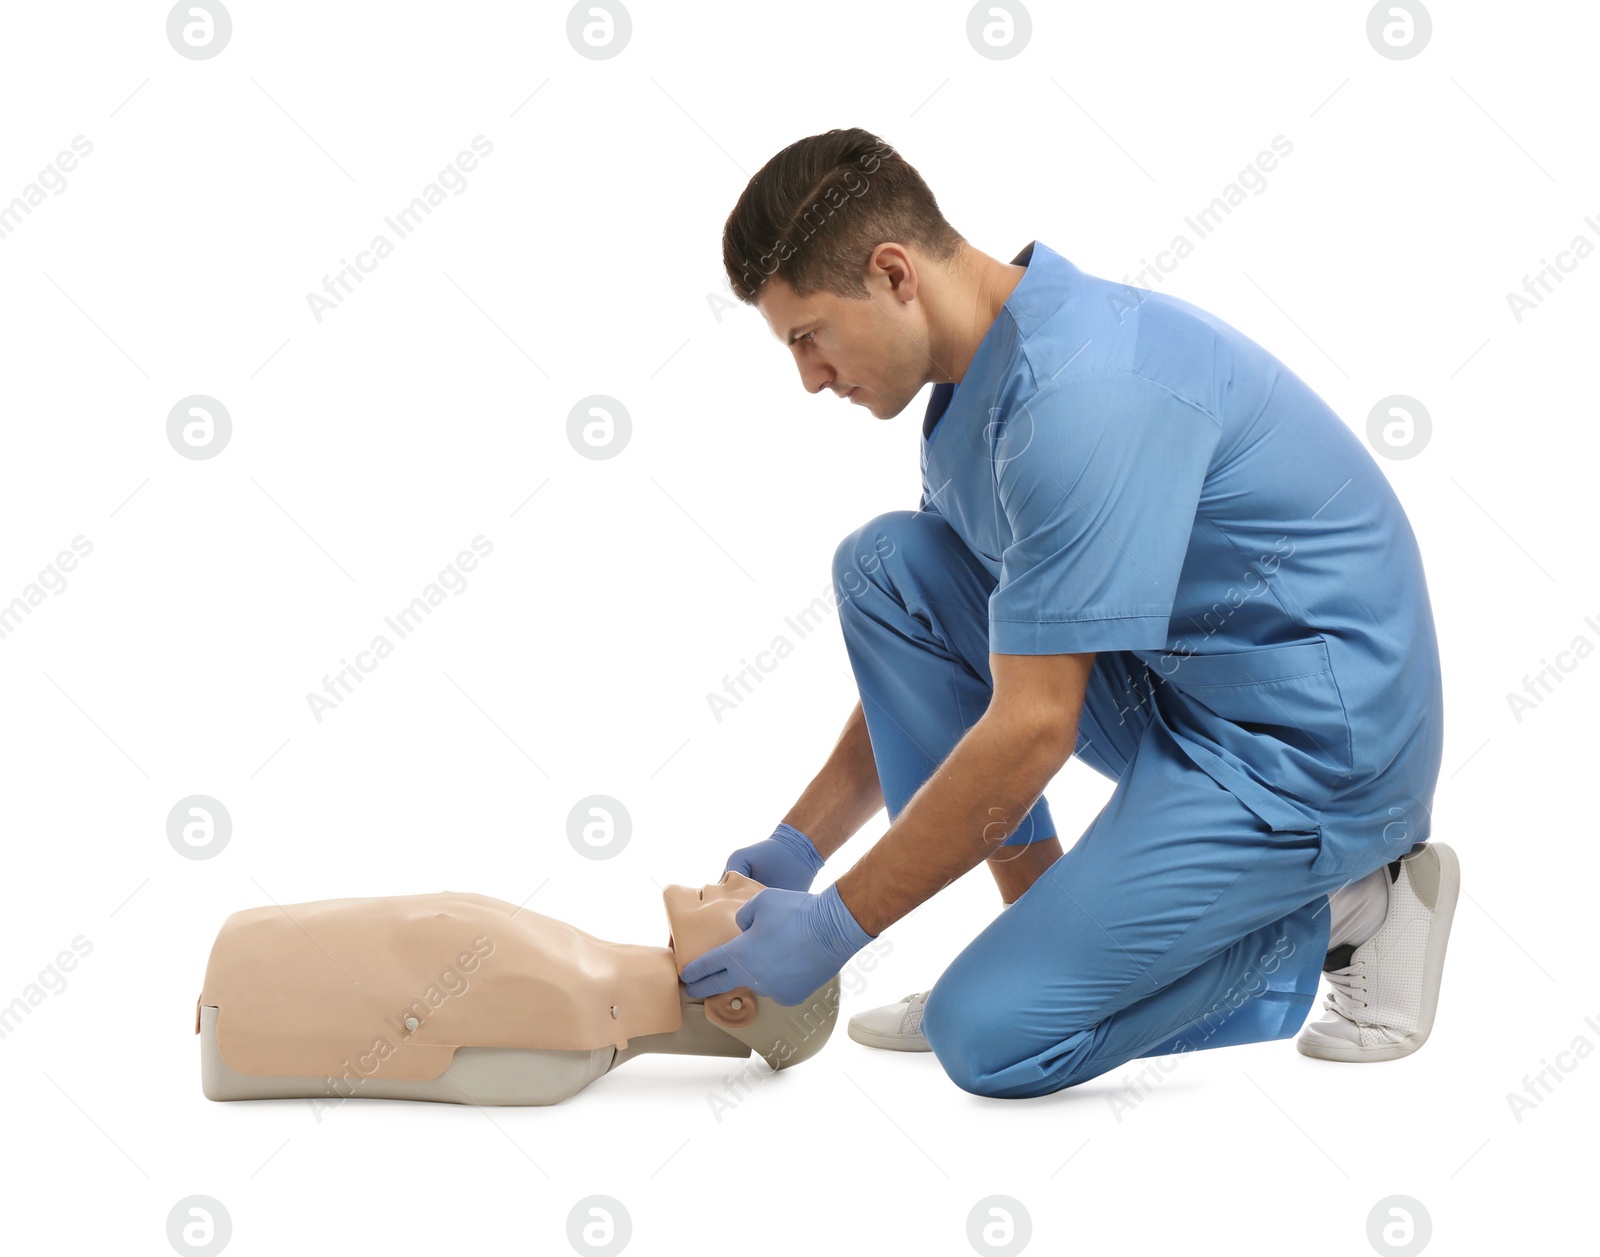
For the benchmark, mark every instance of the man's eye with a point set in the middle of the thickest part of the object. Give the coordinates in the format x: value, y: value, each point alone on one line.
x: 808, y: 336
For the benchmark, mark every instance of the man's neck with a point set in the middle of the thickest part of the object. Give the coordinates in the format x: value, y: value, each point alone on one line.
x: 981, y: 285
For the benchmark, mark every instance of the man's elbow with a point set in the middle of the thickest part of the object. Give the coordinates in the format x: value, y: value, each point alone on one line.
x: 1038, y: 700
x: 1057, y: 737
x: 1048, y: 731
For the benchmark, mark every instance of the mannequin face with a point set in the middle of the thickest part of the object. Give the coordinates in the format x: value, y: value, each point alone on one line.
x: 733, y: 885
x: 703, y: 917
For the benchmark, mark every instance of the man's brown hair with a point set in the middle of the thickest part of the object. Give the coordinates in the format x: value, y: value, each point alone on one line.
x: 816, y: 211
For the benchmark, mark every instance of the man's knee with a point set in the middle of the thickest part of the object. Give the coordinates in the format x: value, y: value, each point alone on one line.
x: 979, y: 1050
x: 977, y: 1040
x: 860, y: 558
x: 955, y: 1035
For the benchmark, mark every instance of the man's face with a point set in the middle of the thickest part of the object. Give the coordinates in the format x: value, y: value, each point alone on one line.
x: 874, y: 345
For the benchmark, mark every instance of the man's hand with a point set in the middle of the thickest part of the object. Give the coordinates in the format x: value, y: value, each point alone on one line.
x: 791, y: 943
x: 788, y: 860
x: 980, y: 794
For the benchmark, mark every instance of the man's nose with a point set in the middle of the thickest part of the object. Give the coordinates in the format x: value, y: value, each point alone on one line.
x: 815, y: 377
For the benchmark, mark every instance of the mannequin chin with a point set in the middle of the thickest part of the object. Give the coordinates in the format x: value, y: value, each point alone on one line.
x: 465, y: 999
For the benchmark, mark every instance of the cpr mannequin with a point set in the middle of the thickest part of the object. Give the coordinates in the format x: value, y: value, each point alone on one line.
x: 469, y: 1000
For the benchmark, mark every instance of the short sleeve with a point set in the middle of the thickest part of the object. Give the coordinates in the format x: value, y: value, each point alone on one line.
x: 1100, y: 479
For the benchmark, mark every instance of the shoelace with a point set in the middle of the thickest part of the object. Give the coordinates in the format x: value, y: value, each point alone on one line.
x: 1349, y: 994
x: 911, y: 1023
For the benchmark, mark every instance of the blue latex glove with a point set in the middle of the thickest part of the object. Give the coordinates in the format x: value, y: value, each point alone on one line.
x: 791, y: 943
x: 788, y: 860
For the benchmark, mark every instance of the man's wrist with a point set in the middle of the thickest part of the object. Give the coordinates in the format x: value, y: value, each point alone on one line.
x: 798, y: 842
x: 838, y: 930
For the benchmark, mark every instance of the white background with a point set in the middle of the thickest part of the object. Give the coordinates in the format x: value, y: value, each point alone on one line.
x: 583, y: 258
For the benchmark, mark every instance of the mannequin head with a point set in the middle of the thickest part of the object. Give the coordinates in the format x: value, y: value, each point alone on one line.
x: 703, y: 918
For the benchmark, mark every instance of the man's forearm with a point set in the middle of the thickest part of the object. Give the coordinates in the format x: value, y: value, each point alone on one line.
x: 844, y: 795
x: 958, y: 818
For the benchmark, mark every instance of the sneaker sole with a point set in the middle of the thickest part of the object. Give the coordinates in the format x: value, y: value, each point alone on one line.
x: 1449, y: 889
x: 890, y: 1042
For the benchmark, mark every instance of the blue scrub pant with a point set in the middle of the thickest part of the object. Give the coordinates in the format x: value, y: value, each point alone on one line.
x: 1178, y: 921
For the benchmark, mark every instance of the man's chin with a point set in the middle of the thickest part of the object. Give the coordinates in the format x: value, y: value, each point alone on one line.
x: 877, y: 410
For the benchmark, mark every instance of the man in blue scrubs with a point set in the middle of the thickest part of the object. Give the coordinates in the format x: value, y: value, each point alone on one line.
x: 1142, y: 540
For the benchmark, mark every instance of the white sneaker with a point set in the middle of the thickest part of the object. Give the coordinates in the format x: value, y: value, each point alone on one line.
x: 1384, y: 991
x: 897, y: 1027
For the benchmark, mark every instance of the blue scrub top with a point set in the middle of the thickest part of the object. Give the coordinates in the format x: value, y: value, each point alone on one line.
x: 1147, y: 482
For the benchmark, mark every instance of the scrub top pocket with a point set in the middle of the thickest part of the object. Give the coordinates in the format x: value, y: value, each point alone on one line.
x: 1276, y: 709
